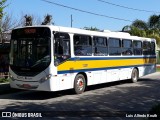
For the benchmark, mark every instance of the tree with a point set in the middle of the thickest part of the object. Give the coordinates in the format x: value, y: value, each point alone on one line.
x: 137, y: 32
x: 35, y: 20
x: 154, y: 22
x: 28, y: 21
x: 150, y: 29
x: 2, y: 6
x: 140, y: 24
x: 91, y: 28
x: 8, y: 23
x: 47, y: 20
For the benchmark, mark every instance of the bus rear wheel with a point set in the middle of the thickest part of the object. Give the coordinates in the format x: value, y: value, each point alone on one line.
x: 134, y: 75
x: 79, y: 84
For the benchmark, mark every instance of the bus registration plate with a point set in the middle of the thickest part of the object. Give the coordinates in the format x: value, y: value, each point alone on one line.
x: 26, y: 85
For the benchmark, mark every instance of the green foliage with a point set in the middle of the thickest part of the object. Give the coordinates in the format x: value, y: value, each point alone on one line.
x: 91, y: 28
x: 140, y: 24
x: 155, y: 36
x: 150, y: 29
x: 158, y: 59
x: 153, y: 21
x: 2, y: 6
x: 158, y: 70
x: 3, y: 80
x: 137, y: 32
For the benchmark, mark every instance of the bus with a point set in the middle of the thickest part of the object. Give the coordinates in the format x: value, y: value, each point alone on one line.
x: 54, y: 58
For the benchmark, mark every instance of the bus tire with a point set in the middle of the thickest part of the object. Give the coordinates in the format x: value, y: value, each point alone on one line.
x: 134, y: 75
x: 79, y: 84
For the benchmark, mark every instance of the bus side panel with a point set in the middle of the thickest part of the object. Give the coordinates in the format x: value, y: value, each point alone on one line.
x: 145, y: 70
x: 125, y: 73
x: 106, y: 70
x: 65, y: 81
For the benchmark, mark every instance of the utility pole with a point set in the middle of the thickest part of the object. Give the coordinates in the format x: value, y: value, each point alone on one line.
x: 71, y: 20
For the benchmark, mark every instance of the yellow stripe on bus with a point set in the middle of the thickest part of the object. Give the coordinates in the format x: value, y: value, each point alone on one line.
x: 90, y: 64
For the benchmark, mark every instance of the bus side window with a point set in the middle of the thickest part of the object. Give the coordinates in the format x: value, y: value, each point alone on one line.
x: 100, y: 46
x: 137, y: 47
x: 146, y: 48
x: 127, y: 47
x: 153, y: 52
x: 114, y: 46
x: 82, y: 45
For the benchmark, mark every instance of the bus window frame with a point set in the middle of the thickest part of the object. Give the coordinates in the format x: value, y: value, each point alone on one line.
x: 101, y: 46
x: 115, y: 47
x: 134, y: 48
x: 90, y: 45
x: 130, y: 49
x: 60, y: 58
x: 146, y: 50
x: 153, y: 51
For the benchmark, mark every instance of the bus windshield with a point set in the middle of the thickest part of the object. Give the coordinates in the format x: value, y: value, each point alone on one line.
x: 30, y: 50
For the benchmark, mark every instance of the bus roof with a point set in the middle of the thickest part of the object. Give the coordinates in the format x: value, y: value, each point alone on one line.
x: 104, y: 33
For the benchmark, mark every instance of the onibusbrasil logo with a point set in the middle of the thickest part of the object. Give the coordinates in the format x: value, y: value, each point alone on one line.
x: 21, y: 114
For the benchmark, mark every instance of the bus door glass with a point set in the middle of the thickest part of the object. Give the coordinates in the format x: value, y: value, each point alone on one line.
x: 61, y: 47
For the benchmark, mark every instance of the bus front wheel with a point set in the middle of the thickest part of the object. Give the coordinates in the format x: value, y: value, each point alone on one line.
x: 134, y: 75
x: 79, y: 84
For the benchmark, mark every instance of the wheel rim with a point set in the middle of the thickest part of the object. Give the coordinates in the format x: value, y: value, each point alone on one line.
x: 134, y: 76
x: 80, y: 83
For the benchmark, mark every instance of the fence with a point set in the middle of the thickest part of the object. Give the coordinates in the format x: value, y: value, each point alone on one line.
x: 158, y: 57
x: 4, y: 65
x: 4, y: 60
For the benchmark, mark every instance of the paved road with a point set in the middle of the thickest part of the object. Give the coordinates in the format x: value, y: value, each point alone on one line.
x: 106, y: 99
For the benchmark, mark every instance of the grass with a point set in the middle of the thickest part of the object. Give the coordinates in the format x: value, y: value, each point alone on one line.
x: 3, y: 80
x: 158, y: 69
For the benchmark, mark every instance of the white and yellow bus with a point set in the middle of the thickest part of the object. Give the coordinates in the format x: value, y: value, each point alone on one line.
x: 54, y: 58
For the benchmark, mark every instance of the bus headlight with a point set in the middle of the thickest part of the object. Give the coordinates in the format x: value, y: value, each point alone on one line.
x: 47, y: 77
x: 11, y: 77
